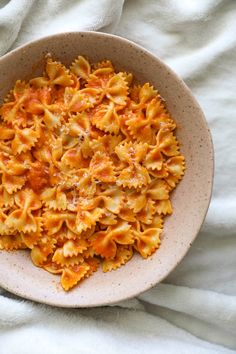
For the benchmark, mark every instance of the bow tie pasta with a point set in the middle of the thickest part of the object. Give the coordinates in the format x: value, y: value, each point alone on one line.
x: 87, y: 164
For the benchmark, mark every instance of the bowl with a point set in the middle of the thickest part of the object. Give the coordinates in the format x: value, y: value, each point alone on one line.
x: 190, y: 199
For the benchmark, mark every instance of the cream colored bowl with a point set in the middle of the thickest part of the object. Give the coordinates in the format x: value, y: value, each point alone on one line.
x: 190, y: 199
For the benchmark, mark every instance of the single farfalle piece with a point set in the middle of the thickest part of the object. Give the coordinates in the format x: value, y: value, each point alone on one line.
x: 22, y: 218
x: 117, y: 90
x: 135, y: 199
x: 26, y: 138
x: 158, y: 190
x: 76, y: 101
x: 133, y: 176
x: 74, y: 247
x: 99, y: 78
x: 148, y: 241
x: 13, y: 177
x: 139, y: 127
x: 142, y: 95
x: 144, y: 128
x: 39, y: 104
x: 176, y: 167
x: 123, y: 255
x: 113, y: 86
x: 72, y: 275
x: 158, y: 115
x: 30, y: 239
x: 105, y: 117
x: 105, y: 242
x: 56, y: 74
x: 154, y: 109
x: 166, y: 142
x: 76, y: 134
x: 81, y: 67
x: 36, y: 99
x: 106, y: 143
x: 114, y: 199
x: 146, y: 93
x: 86, y: 219
x: 101, y: 168
x: 54, y: 198
x: 60, y: 259
x: 54, y: 220
x: 153, y: 160
x: 131, y: 152
x: 79, y: 125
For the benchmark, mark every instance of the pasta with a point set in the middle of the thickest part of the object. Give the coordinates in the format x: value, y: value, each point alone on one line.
x: 87, y: 164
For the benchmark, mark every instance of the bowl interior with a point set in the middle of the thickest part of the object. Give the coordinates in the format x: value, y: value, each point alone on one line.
x: 190, y: 199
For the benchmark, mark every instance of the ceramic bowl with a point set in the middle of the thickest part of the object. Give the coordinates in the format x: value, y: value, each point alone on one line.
x: 190, y: 199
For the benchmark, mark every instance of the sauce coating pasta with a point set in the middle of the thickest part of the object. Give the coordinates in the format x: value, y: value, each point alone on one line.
x: 87, y: 164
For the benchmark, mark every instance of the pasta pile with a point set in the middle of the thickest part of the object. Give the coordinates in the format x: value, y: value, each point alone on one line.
x: 87, y: 164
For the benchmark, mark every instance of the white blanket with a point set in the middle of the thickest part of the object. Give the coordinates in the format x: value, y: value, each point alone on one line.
x: 194, y: 310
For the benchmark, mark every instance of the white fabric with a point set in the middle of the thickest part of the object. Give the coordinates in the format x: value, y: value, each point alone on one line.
x: 194, y: 310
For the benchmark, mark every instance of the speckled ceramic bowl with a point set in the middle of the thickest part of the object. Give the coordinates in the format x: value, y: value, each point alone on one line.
x: 190, y: 199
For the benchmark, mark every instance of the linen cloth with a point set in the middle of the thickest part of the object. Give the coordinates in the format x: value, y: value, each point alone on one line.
x: 194, y: 309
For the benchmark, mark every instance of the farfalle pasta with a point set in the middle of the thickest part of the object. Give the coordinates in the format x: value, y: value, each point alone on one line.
x: 87, y: 164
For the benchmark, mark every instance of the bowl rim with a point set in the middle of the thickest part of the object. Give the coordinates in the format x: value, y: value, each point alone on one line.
x: 154, y: 57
